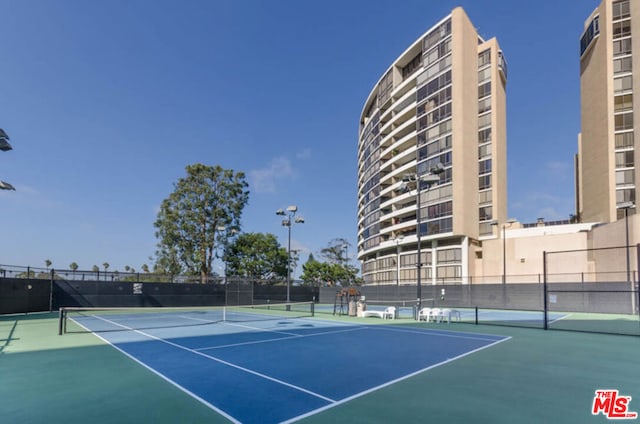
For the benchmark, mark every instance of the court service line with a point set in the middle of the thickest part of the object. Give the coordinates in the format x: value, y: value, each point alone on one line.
x: 229, y: 364
x: 388, y: 383
x: 295, y: 336
x: 441, y: 333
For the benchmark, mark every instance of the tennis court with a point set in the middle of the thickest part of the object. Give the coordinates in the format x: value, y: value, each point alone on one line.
x: 256, y: 365
x: 305, y: 369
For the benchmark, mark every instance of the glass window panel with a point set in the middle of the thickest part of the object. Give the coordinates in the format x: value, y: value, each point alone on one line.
x: 622, y: 65
x: 624, y: 140
x: 623, y: 102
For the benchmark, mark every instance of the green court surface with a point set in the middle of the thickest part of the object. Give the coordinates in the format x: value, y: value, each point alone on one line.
x: 536, y: 376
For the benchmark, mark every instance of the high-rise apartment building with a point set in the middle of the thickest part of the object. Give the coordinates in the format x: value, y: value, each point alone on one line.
x: 442, y: 103
x: 607, y: 174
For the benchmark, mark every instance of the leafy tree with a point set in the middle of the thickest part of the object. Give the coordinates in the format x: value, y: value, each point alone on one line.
x: 335, y: 271
x: 145, y: 268
x: 336, y: 251
x: 315, y: 273
x: 188, y: 223
x: 256, y: 255
x: 95, y: 268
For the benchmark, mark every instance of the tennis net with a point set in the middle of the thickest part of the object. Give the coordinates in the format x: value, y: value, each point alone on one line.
x: 140, y: 318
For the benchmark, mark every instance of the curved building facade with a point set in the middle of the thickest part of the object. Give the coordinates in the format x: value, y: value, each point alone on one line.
x: 432, y: 158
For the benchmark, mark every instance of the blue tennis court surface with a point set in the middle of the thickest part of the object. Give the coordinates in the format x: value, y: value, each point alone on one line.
x: 284, y: 369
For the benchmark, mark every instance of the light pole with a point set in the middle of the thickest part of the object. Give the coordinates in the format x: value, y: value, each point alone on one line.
x: 504, y: 248
x: 430, y: 178
x: 626, y: 206
x: 289, y: 222
x: 232, y: 232
x: 398, y: 240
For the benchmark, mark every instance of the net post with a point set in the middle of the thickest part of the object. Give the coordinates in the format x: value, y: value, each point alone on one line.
x: 313, y: 309
x: 60, y: 321
x: 476, y: 315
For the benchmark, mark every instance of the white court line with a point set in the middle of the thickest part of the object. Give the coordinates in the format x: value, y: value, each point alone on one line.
x: 561, y: 318
x: 441, y: 333
x: 295, y: 336
x: 357, y: 395
x: 213, y: 358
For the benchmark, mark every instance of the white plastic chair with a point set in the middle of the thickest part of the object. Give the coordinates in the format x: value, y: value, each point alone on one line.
x: 435, y: 314
x: 423, y: 314
x: 455, y: 313
x: 389, y: 313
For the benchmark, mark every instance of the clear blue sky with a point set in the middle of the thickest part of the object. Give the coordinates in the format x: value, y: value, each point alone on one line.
x: 107, y: 102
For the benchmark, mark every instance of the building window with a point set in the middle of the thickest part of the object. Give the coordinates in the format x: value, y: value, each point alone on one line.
x: 622, y: 84
x: 621, y: 47
x: 449, y: 271
x: 436, y: 35
x: 484, y: 136
x: 484, y: 120
x: 484, y: 182
x: 449, y: 256
x: 484, y: 90
x: 484, y: 151
x: 624, y: 159
x: 589, y: 35
x: 484, y: 105
x: 484, y: 75
x: 620, y: 9
x: 438, y: 226
x: 484, y: 197
x: 623, y: 102
x: 484, y: 167
x: 622, y: 65
x: 625, y: 195
x: 485, y: 213
x: 624, y: 121
x: 412, y: 66
x: 622, y: 29
x: 410, y: 259
x: 624, y: 140
x: 625, y: 177
x: 484, y: 58
x: 439, y: 210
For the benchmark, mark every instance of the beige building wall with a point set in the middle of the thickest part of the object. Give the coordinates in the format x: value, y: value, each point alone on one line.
x: 403, y: 133
x: 599, y: 176
x: 575, y: 252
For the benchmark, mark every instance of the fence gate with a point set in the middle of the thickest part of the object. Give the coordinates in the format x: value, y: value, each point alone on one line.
x: 239, y: 292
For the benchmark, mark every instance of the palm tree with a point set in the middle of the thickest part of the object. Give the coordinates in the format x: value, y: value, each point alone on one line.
x: 106, y: 266
x: 73, y: 266
x: 48, y: 263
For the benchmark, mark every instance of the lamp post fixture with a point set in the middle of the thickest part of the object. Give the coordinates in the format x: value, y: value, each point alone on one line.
x: 5, y: 146
x: 429, y: 179
x: 626, y: 206
x: 504, y: 247
x: 289, y: 222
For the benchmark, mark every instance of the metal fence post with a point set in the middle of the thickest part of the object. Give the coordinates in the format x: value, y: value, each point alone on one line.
x: 544, y: 290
